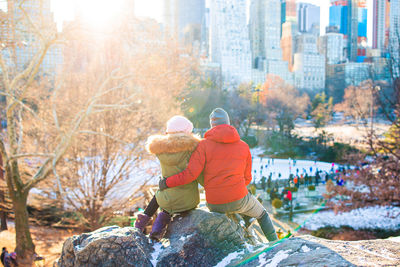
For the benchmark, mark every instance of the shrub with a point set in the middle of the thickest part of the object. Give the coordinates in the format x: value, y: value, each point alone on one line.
x: 311, y: 188
x: 293, y: 189
x: 268, y: 190
x: 277, y: 203
x: 250, y: 140
x: 330, y: 186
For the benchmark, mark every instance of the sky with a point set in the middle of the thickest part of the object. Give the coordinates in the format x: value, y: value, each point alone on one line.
x: 153, y: 8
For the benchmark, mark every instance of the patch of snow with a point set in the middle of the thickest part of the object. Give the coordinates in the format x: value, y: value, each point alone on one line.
x: 305, y: 249
x: 225, y: 261
x: 365, y: 218
x: 379, y: 255
x: 280, y: 256
x: 158, y: 247
x: 183, y: 238
x: 395, y: 239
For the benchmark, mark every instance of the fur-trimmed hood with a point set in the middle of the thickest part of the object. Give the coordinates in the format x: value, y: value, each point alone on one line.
x: 172, y: 143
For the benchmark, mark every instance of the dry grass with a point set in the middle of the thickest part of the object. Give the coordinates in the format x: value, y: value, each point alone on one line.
x: 48, y: 241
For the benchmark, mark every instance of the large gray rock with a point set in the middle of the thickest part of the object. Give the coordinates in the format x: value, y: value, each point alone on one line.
x: 312, y: 251
x: 202, y: 238
x: 108, y: 246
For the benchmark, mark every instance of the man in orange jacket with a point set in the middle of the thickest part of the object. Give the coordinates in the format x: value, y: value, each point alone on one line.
x: 225, y: 161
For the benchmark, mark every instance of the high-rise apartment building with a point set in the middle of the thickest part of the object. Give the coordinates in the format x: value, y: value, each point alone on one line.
x: 308, y: 18
x: 184, y: 17
x: 379, y: 24
x: 229, y: 39
x: 350, y: 17
x: 309, y: 64
x: 26, y: 21
x: 265, y: 35
x: 288, y: 12
x: 289, y: 33
x: 394, y: 35
x: 332, y: 46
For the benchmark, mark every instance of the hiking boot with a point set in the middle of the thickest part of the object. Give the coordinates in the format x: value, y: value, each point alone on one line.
x: 267, y: 227
x: 160, y: 226
x: 141, y: 221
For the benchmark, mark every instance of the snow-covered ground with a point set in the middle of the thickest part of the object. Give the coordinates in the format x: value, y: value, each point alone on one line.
x: 387, y: 218
x: 285, y: 166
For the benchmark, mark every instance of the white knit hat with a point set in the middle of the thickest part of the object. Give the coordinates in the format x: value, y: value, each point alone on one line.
x: 179, y: 124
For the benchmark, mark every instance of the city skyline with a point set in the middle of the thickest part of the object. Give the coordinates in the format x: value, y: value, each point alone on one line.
x: 154, y: 8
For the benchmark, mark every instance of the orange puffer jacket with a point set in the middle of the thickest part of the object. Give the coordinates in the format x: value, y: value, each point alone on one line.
x: 225, y: 161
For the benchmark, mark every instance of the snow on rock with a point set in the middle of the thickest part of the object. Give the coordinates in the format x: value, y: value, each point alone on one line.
x: 305, y: 248
x: 365, y: 218
x: 158, y: 247
x: 280, y: 256
x: 229, y: 258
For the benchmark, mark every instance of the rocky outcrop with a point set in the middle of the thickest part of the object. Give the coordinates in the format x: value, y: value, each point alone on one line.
x: 108, y: 246
x: 201, y: 238
x: 313, y: 251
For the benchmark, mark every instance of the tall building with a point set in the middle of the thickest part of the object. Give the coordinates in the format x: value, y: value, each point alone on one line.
x: 352, y: 30
x: 229, y: 39
x: 289, y: 33
x: 21, y: 16
x: 184, y: 17
x: 394, y: 35
x: 308, y: 18
x: 309, y: 64
x: 379, y: 24
x: 332, y: 46
x: 265, y: 33
x: 350, y: 17
x: 288, y: 12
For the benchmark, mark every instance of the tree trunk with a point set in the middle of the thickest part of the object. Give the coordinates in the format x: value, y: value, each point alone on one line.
x: 3, y: 219
x: 3, y: 214
x: 25, y: 247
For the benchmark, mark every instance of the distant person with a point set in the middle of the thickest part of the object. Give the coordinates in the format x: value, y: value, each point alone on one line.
x: 317, y: 178
x: 225, y: 161
x: 263, y: 183
x: 4, y: 252
x: 269, y: 183
x: 10, y: 260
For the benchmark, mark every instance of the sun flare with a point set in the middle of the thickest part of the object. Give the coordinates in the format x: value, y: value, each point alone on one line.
x: 99, y: 12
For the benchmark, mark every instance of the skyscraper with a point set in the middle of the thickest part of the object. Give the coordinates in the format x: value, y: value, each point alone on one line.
x: 379, y: 24
x: 309, y: 64
x: 350, y: 17
x: 289, y: 32
x: 288, y: 12
x: 394, y: 35
x: 352, y: 30
x: 308, y: 18
x: 23, y: 18
x: 182, y: 16
x: 229, y: 39
x: 332, y: 46
x: 265, y: 33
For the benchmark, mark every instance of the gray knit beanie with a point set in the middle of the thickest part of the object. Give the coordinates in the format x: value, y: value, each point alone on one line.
x: 219, y: 116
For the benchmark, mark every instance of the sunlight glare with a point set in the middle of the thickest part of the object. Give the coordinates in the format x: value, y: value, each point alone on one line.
x: 100, y: 12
